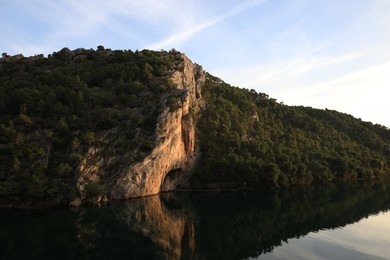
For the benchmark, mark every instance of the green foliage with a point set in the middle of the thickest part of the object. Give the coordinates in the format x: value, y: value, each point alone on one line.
x: 63, y: 169
x: 88, y: 137
x: 52, y: 110
x: 93, y: 189
x: 246, y: 137
x: 173, y: 103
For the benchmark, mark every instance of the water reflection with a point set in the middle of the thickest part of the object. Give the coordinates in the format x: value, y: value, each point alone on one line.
x: 235, y: 225
x: 367, y: 239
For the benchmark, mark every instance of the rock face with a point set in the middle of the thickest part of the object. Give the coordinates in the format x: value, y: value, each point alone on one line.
x: 172, y: 157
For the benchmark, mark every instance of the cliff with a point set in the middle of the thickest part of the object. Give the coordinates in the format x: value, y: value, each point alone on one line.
x: 87, y: 126
x: 172, y: 157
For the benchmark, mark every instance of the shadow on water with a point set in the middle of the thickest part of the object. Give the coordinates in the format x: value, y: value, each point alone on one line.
x: 228, y: 225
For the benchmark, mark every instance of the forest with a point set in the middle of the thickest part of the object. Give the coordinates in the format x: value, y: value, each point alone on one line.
x: 249, y: 139
x: 53, y: 108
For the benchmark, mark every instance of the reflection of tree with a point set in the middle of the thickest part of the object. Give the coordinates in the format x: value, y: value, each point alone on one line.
x: 250, y: 224
x: 225, y: 225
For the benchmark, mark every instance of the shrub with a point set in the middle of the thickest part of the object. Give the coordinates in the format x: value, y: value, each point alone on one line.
x: 93, y: 189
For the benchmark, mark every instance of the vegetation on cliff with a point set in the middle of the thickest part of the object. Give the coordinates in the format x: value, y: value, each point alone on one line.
x: 53, y: 109
x: 249, y: 139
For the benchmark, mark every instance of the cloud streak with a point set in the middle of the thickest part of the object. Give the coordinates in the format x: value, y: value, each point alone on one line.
x: 181, y: 37
x: 278, y: 73
x: 65, y: 22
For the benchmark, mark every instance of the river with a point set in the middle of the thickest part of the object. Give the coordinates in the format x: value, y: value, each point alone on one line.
x: 339, y: 221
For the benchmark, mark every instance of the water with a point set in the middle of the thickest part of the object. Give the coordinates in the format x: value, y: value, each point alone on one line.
x: 367, y: 239
x: 322, y: 222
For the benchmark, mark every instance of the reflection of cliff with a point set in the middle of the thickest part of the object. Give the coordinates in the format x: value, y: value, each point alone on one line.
x: 170, y: 230
x: 240, y: 225
x: 150, y: 228
x: 233, y: 225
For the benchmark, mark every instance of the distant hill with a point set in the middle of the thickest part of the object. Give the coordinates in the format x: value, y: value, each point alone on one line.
x: 90, y: 125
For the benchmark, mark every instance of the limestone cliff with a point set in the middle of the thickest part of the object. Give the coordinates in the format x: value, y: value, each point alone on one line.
x: 174, y: 151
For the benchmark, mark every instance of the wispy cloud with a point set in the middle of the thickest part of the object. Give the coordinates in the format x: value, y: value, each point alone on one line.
x: 64, y: 22
x: 182, y: 36
x: 281, y: 72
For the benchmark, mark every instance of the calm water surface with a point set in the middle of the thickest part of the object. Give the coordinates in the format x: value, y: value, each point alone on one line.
x: 321, y: 222
x: 367, y: 239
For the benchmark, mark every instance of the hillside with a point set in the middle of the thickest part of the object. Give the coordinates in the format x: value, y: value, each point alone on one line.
x: 90, y: 125
x: 249, y: 139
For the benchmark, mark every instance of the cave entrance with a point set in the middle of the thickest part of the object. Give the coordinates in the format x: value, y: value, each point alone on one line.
x: 173, y: 180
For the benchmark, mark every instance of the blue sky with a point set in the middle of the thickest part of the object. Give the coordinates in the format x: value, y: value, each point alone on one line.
x: 321, y: 53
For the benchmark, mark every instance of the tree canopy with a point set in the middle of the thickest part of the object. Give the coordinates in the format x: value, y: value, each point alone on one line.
x: 248, y: 139
x: 52, y: 108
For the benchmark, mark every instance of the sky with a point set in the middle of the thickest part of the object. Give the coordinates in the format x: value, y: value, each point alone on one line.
x: 321, y: 53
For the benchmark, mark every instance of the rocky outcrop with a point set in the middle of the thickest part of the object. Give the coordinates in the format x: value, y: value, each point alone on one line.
x: 172, y: 157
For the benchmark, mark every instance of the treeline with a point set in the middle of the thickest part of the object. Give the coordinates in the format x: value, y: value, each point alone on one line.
x: 52, y: 109
x: 249, y: 140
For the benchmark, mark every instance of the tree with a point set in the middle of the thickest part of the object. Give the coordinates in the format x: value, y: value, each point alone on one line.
x: 271, y: 173
x: 100, y: 48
